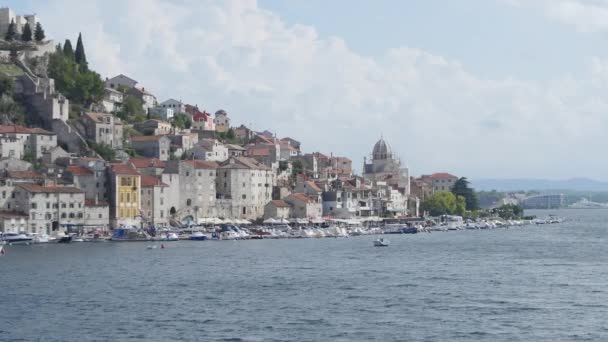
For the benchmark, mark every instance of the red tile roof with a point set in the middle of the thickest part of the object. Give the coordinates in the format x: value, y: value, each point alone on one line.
x: 442, y: 175
x: 24, y: 175
x: 201, y: 116
x: 301, y: 197
x: 280, y: 204
x: 199, y: 164
x: 258, y: 152
x: 123, y: 169
x: 35, y: 188
x: 23, y: 130
x: 141, y: 163
x: 79, y: 170
x: 151, y: 181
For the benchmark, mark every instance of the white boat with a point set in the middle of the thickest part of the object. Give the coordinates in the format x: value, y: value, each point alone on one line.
x: 16, y: 239
x: 77, y: 239
x: 381, y: 242
x: 39, y: 238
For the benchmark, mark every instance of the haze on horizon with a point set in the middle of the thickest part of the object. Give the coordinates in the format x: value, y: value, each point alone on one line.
x: 478, y: 88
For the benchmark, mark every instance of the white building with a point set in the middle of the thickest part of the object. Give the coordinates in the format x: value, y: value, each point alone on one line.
x: 112, y: 100
x: 209, y: 149
x: 221, y: 121
x: 175, y: 105
x: 154, y: 202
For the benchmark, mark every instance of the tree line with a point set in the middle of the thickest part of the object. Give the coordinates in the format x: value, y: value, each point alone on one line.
x: 26, y: 33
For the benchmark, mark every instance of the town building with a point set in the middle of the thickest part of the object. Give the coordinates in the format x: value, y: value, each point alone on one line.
x: 178, y: 107
x: 152, y: 146
x: 96, y: 215
x: 49, y: 208
x: 35, y: 141
x: 11, y: 147
x: 125, y: 199
x: 154, y: 127
x: 221, y: 121
x: 547, y: 201
x: 8, y: 16
x: 148, y: 166
x: 154, y: 203
x: 385, y: 167
x: 243, y: 134
x: 303, y: 206
x: 209, y: 149
x: 277, y: 209
x: 112, y: 100
x: 235, y: 150
x: 163, y: 113
x: 120, y: 81
x: 244, y: 187
x: 103, y: 128
x: 13, y: 222
x: 202, y: 121
x: 440, y: 181
x: 99, y: 187
x: 147, y: 99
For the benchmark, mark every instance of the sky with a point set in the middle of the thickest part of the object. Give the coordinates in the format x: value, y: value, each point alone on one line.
x: 478, y: 88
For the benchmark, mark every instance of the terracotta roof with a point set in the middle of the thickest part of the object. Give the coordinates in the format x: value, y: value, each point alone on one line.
x: 313, y: 186
x: 23, y: 130
x: 200, y: 164
x: 35, y: 188
x: 24, y: 175
x: 141, y: 163
x: 151, y: 181
x: 97, y: 116
x: 442, y: 175
x: 79, y: 170
x: 123, y: 169
x: 201, y: 116
x: 258, y: 152
x: 243, y: 163
x: 91, y: 203
x: 301, y: 197
x: 280, y: 204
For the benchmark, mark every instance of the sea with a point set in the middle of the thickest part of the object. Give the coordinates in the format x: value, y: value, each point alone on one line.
x: 534, y: 283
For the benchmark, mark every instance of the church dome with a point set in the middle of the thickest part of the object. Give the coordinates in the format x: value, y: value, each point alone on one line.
x: 381, y: 150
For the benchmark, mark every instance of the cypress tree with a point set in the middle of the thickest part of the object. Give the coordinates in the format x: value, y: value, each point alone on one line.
x: 26, y: 36
x: 79, y: 55
x: 39, y: 33
x: 11, y: 33
x: 68, y: 51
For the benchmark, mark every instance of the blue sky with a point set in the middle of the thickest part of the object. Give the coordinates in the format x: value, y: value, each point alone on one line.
x: 481, y: 88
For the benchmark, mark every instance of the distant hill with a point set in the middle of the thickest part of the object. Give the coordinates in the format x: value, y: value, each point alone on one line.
x: 574, y: 184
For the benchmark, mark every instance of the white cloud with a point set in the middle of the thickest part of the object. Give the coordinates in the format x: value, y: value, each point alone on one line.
x: 436, y: 114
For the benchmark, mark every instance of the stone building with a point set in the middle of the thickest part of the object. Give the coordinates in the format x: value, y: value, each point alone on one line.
x: 34, y: 140
x: 147, y: 99
x: 221, y: 121
x: 96, y: 215
x: 154, y: 127
x: 49, y: 207
x: 112, y: 100
x: 244, y: 187
x: 119, y: 81
x: 303, y: 206
x: 277, y: 209
x: 383, y: 166
x: 103, y: 128
x: 442, y: 181
x: 154, y: 203
x: 209, y: 149
x: 152, y: 146
x: 178, y: 106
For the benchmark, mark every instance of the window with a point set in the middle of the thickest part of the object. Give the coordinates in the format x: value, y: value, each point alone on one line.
x: 122, y: 199
x: 33, y: 216
x: 80, y: 215
x: 128, y: 197
x: 243, y: 184
x: 63, y: 215
x: 244, y: 210
x: 129, y: 181
x: 162, y: 202
x: 71, y: 215
x: 187, y: 173
x: 188, y: 202
x: 71, y: 205
x: 3, y: 194
x: 162, y: 214
x: 134, y: 197
x: 34, y: 205
x: 99, y: 215
x: 123, y: 181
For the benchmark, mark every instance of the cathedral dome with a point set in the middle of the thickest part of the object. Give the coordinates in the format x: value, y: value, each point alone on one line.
x: 381, y: 150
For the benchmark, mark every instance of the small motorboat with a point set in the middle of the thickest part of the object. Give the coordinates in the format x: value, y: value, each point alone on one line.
x: 198, y: 236
x: 381, y: 242
x: 151, y: 247
x: 16, y: 239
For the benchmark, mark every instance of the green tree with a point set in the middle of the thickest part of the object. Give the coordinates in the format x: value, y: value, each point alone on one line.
x: 39, y: 33
x: 80, y: 86
x: 7, y: 85
x: 79, y: 55
x: 509, y: 211
x: 68, y: 51
x: 11, y: 32
x: 26, y: 35
x: 104, y: 150
x: 462, y: 188
x: 296, y: 168
x: 181, y: 121
x: 444, y: 203
x: 132, y: 109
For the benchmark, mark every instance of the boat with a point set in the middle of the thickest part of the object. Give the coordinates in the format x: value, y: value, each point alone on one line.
x: 16, y: 239
x: 77, y: 239
x: 198, y: 236
x: 381, y: 242
x: 64, y: 239
x: 129, y: 234
x: 171, y: 236
x: 151, y: 247
x: 39, y: 238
